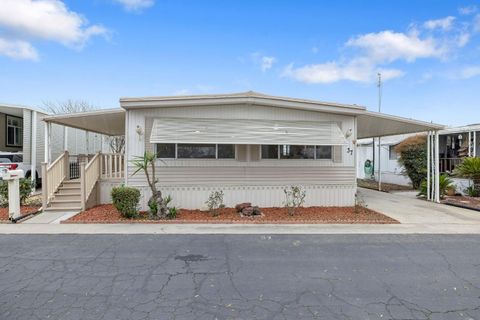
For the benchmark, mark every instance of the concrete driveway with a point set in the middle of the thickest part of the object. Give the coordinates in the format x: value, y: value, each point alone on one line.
x: 415, y: 211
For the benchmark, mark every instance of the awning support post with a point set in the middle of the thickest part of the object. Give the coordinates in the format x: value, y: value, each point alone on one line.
x: 469, y: 143
x: 379, y: 164
x: 33, y: 149
x: 437, y: 169
x: 474, y: 143
x: 429, y: 134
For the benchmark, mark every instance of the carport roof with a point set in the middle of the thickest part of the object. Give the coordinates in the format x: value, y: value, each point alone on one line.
x: 369, y: 124
x: 106, y: 121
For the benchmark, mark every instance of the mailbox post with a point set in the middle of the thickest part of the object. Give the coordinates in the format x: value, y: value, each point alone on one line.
x: 13, y: 177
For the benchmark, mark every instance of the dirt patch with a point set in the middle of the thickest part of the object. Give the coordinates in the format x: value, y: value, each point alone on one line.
x: 24, y: 210
x: 310, y: 215
x: 463, y: 201
x: 387, y: 187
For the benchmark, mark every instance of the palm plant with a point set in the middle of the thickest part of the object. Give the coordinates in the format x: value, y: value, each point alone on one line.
x: 470, y: 168
x: 156, y: 203
x: 445, y: 184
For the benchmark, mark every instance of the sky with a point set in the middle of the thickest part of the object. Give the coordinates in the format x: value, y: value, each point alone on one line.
x: 100, y: 50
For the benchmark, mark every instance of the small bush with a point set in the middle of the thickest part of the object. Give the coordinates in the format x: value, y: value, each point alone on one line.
x: 445, y: 184
x: 215, y: 202
x: 294, y: 198
x: 172, y: 213
x: 359, y: 203
x: 125, y: 200
x: 26, y: 187
x: 413, y: 157
x: 472, y: 192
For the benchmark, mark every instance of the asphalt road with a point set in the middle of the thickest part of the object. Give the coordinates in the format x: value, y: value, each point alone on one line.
x: 239, y: 277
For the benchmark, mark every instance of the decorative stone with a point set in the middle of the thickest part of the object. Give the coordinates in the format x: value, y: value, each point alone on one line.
x: 248, y: 211
x: 239, y: 207
x: 256, y: 211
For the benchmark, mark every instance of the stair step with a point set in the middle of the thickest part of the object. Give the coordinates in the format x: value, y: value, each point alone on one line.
x: 63, y: 209
x: 64, y: 202
x: 67, y: 196
x: 71, y: 182
x: 67, y: 191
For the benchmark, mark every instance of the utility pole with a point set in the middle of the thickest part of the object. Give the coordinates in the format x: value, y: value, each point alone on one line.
x: 379, y: 84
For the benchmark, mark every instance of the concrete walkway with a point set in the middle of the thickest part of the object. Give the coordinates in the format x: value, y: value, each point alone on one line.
x: 416, y: 217
x: 415, y: 211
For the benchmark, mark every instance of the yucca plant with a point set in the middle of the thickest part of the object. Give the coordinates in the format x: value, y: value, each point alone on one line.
x: 156, y: 203
x: 445, y: 184
x: 470, y: 168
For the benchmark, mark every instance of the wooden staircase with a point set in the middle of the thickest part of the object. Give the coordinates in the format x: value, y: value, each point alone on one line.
x: 67, y: 197
x: 64, y: 192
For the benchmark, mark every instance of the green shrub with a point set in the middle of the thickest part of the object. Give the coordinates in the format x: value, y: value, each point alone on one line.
x: 470, y: 168
x: 125, y: 200
x: 26, y: 187
x: 413, y: 157
x: 472, y: 192
x: 445, y: 184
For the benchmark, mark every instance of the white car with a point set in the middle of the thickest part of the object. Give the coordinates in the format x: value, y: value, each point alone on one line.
x: 14, y: 161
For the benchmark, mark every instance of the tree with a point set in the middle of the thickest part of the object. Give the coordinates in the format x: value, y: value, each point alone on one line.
x: 413, y: 157
x: 470, y: 168
x: 117, y: 144
x: 68, y: 106
x: 156, y: 203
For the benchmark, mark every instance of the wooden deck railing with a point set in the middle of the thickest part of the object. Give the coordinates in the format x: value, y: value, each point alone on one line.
x: 449, y: 164
x: 112, y: 165
x: 89, y: 169
x: 53, y: 175
x: 89, y: 175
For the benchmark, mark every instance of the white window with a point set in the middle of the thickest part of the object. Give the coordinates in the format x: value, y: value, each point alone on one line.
x: 392, y: 154
x: 195, y: 151
x: 273, y: 151
x: 14, y: 131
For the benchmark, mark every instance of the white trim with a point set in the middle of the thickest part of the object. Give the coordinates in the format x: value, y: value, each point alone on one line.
x: 437, y: 168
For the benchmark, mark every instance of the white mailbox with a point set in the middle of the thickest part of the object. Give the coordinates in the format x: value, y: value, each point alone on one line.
x: 13, y: 177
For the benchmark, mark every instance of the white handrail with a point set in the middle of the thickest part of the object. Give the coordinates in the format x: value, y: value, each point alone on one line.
x: 112, y: 165
x: 89, y: 175
x: 52, y: 177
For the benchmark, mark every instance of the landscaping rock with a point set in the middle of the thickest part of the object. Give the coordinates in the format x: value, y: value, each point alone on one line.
x: 247, y: 211
x: 239, y: 207
x: 256, y: 211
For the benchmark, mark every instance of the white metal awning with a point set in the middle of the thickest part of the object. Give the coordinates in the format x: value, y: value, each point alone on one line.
x: 228, y: 131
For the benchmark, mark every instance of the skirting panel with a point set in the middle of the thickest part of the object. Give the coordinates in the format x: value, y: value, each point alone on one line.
x: 263, y: 196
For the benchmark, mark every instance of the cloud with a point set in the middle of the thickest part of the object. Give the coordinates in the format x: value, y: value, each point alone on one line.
x: 18, y: 49
x: 263, y: 61
x: 388, y: 46
x: 136, y: 5
x: 469, y: 72
x: 358, y: 70
x: 366, y: 54
x: 267, y: 63
x: 467, y: 10
x: 26, y: 20
x: 443, y: 24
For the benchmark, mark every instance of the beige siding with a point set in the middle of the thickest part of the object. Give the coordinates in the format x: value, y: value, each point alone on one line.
x: 253, y: 175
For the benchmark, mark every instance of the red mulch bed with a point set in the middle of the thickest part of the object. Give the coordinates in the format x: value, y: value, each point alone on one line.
x: 24, y: 210
x: 310, y: 215
x: 463, y: 201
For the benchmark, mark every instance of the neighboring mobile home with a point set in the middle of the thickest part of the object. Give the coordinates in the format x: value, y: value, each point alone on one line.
x: 455, y: 143
x: 249, y: 145
x: 23, y: 130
